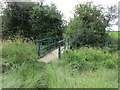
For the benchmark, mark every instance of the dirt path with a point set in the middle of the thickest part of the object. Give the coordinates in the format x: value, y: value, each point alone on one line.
x: 50, y: 56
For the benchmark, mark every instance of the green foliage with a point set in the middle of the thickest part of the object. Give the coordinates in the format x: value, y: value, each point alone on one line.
x: 88, y: 26
x: 62, y: 76
x: 89, y: 58
x: 46, y: 21
x: 18, y: 52
x: 113, y: 41
x: 20, y: 68
x: 27, y: 75
x: 31, y: 20
x: 16, y: 19
x: 114, y: 33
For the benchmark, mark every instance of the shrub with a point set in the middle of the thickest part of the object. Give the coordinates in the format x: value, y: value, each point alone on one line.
x: 88, y: 26
x: 110, y: 63
x: 113, y: 43
x: 89, y: 58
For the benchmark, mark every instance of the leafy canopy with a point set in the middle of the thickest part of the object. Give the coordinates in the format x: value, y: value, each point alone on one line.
x: 88, y: 26
x: 32, y: 20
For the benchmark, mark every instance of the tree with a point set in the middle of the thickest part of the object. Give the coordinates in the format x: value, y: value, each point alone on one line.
x: 88, y: 26
x: 16, y: 19
x: 111, y: 14
x: 46, y: 21
x: 32, y: 20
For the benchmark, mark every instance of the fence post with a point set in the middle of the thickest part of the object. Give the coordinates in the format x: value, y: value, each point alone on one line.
x: 38, y: 48
x: 59, y: 54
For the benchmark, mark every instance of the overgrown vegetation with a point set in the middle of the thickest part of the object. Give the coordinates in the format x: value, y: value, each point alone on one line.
x: 89, y: 58
x: 31, y: 20
x: 88, y: 27
x: 27, y: 75
x: 20, y: 67
x: 92, y: 63
x: 60, y: 75
x: 83, y: 68
x: 18, y: 51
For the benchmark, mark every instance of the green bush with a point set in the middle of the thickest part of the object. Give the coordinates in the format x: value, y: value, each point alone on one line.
x: 31, y: 20
x: 89, y: 58
x: 113, y: 43
x: 88, y: 26
x: 110, y: 63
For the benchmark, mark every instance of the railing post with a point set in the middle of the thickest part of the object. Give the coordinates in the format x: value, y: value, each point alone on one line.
x: 54, y: 42
x: 69, y: 43
x: 59, y: 54
x: 38, y: 48
x: 65, y: 44
x: 48, y: 46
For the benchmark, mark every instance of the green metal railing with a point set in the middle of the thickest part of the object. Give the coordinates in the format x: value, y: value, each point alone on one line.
x: 42, y: 45
x: 56, y: 42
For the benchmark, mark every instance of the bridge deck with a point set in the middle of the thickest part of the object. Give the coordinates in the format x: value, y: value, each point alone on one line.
x: 50, y: 56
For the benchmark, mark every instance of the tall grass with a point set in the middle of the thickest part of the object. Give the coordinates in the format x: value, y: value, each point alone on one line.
x: 83, y: 68
x: 60, y: 76
x: 27, y: 75
x: 18, y: 52
x: 20, y: 67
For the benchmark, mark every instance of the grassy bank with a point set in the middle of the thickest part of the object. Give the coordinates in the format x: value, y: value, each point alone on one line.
x: 82, y: 68
x: 20, y: 67
x: 65, y: 77
x: 27, y: 75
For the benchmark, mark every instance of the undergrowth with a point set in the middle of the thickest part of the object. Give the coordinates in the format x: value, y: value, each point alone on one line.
x: 83, y: 68
x: 27, y: 75
x: 18, y: 52
x: 20, y: 68
x: 90, y: 58
x: 59, y: 76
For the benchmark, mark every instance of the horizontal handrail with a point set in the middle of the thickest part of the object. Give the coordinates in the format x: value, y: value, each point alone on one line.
x: 62, y: 40
x: 44, y: 39
x: 62, y: 49
x: 48, y: 38
x: 54, y: 41
x: 47, y: 46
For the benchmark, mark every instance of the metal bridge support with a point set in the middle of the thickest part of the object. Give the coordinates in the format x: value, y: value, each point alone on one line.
x: 38, y: 49
x: 66, y: 42
x: 59, y: 51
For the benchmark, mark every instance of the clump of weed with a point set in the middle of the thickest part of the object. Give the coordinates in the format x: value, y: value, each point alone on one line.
x: 89, y: 58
